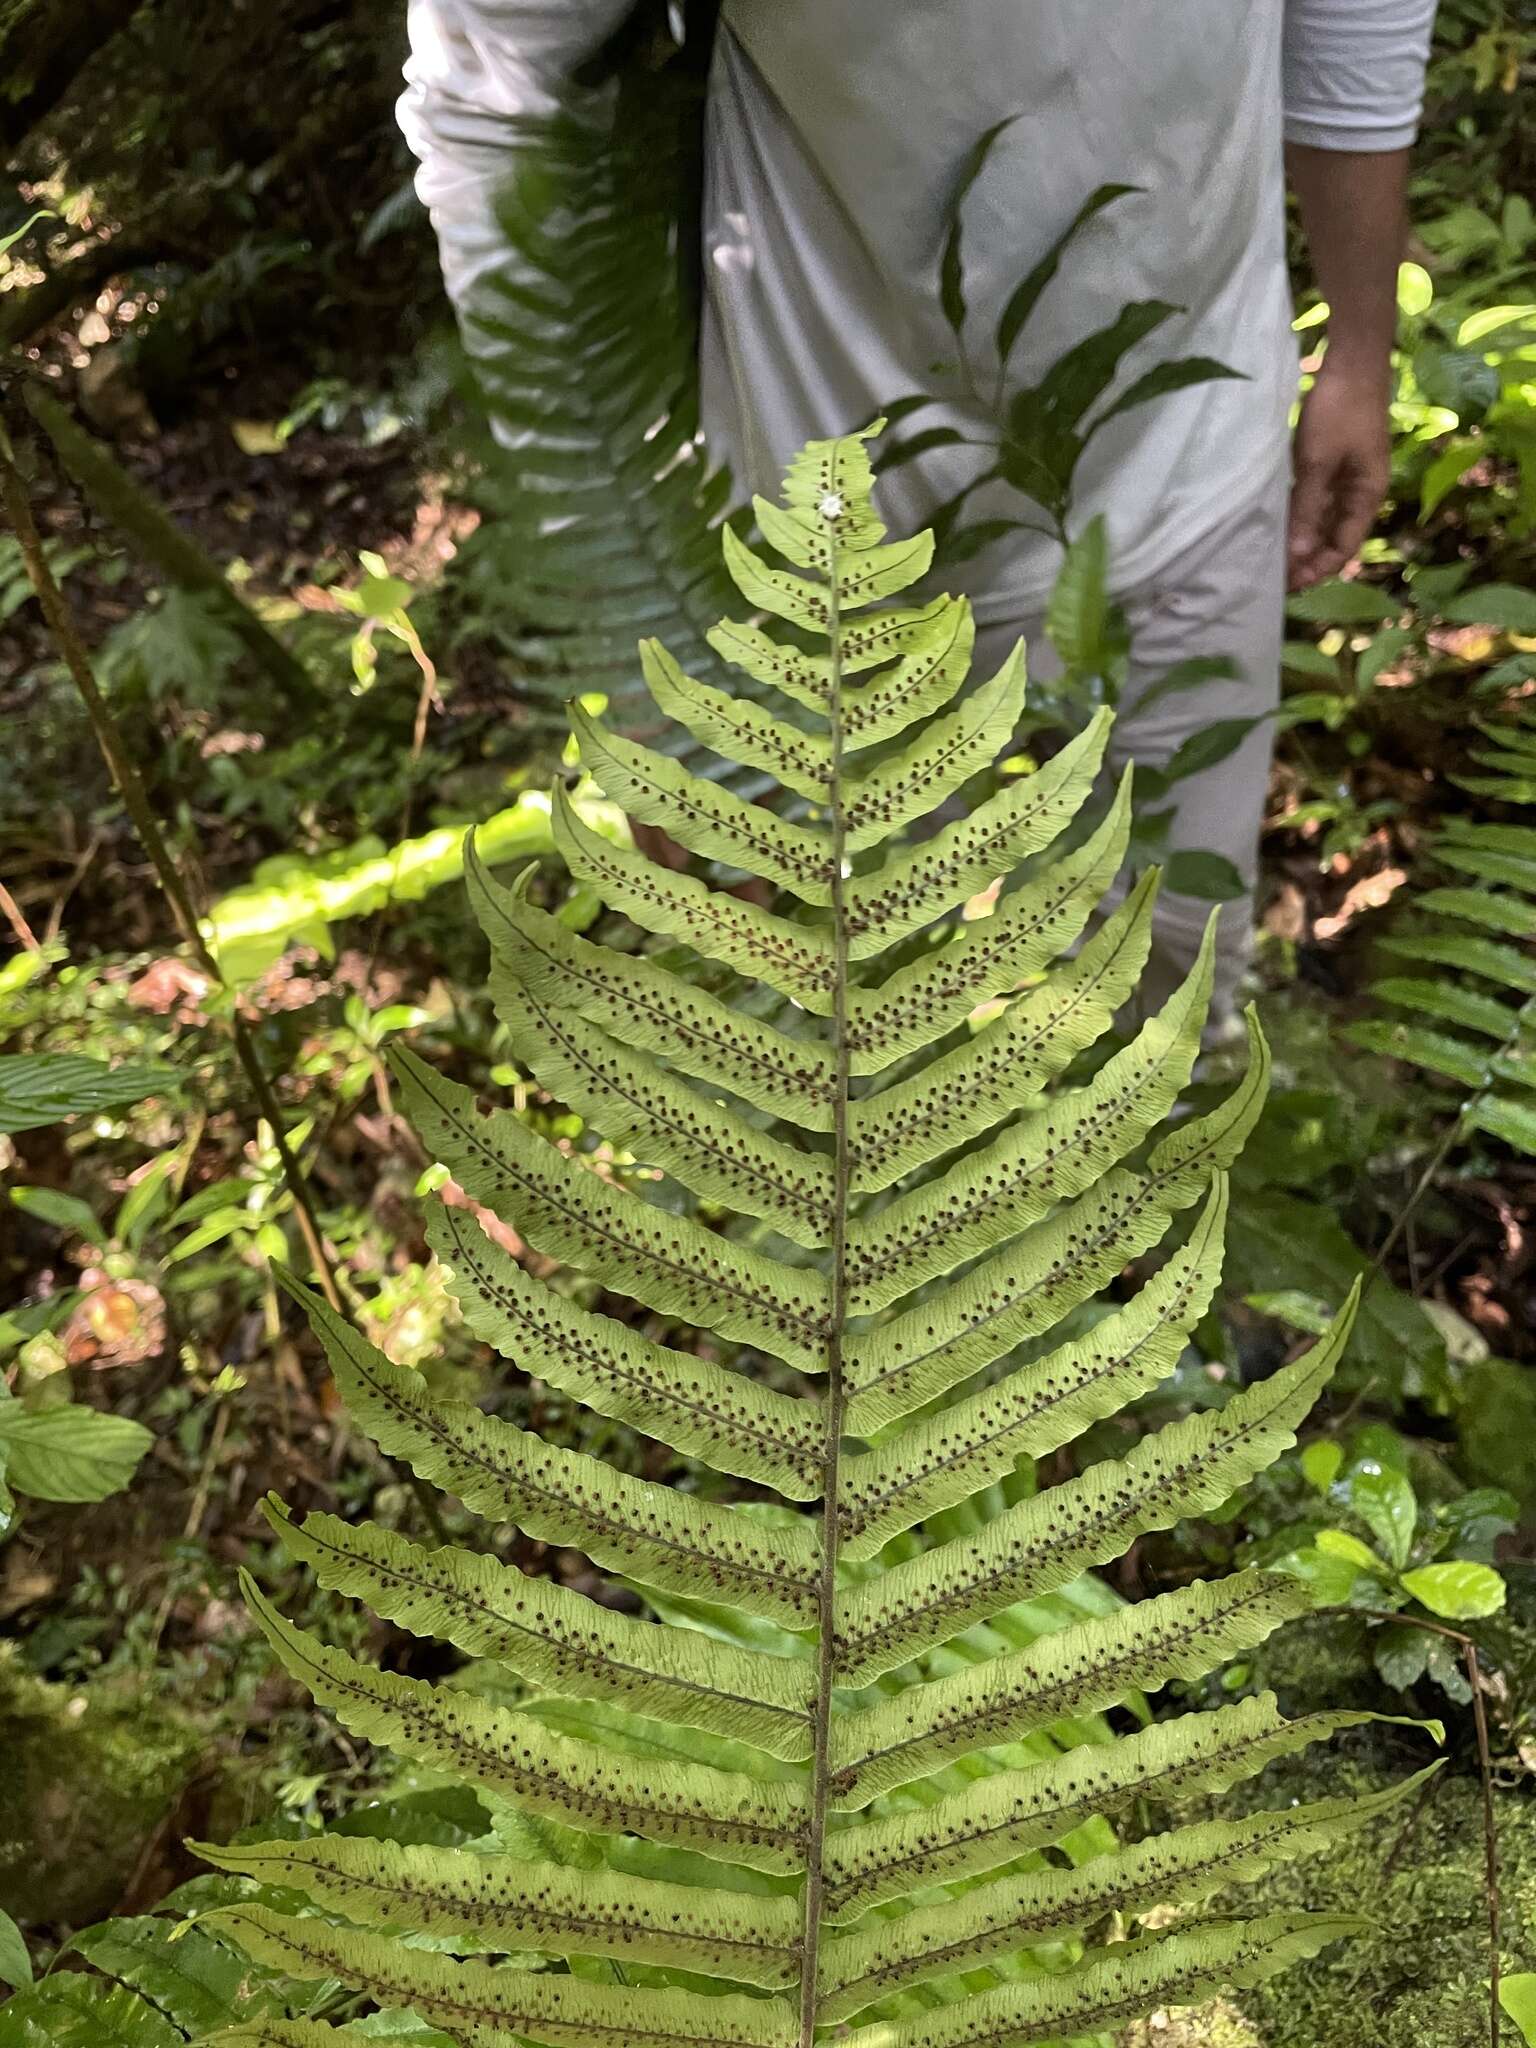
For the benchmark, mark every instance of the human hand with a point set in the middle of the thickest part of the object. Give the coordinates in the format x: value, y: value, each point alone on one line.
x: 1342, y: 461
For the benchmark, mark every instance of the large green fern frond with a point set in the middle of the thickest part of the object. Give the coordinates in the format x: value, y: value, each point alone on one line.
x: 811, y: 1790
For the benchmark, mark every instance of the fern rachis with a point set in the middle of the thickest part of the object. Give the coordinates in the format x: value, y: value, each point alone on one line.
x: 812, y: 1792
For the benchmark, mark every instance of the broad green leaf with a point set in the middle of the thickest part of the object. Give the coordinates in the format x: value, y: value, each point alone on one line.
x: 1209, y: 876
x: 72, y: 2010
x: 1210, y: 745
x: 1320, y: 1462
x: 1517, y: 1995
x: 1384, y: 1500
x: 842, y: 1213
x: 1504, y: 606
x: 1075, y: 619
x: 1340, y: 1544
x: 38, y: 1088
x: 64, y: 1212
x: 1344, y: 604
x: 15, y: 1962
x: 70, y: 1452
x: 1456, y: 1590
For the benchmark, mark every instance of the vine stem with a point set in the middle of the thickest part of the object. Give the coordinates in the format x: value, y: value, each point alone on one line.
x: 66, y: 637
x: 1485, y: 1768
x: 833, y: 1399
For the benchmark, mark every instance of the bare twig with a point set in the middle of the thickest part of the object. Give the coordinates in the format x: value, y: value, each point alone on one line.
x: 12, y: 912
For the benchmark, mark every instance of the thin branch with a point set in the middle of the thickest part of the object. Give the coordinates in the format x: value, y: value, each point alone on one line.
x: 1485, y: 1768
x: 109, y: 738
x: 1490, y: 1837
x: 16, y: 919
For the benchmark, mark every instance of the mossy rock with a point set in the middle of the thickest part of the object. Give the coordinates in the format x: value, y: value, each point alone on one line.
x: 87, y: 1774
x: 1419, y: 1977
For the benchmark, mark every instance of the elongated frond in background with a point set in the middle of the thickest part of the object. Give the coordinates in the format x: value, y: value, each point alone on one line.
x: 600, y: 513
x: 810, y: 1787
x: 1462, y: 1005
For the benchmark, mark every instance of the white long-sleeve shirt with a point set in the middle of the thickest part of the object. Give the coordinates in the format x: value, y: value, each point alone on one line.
x: 836, y: 132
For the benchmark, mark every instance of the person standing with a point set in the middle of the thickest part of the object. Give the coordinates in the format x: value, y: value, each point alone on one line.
x: 835, y: 132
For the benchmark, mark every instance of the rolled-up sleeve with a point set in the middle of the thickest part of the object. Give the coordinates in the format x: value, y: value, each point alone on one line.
x: 478, y: 69
x: 1354, y: 72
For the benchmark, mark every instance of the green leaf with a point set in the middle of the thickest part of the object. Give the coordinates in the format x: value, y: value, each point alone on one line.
x: 15, y: 1962
x: 71, y: 2010
x: 1504, y: 1117
x: 1460, y: 379
x: 1332, y: 1581
x: 1384, y: 1500
x: 1213, y: 743
x: 1457, y: 1591
x: 1337, y: 603
x: 1504, y: 606
x: 951, y: 263
x: 1320, y: 1462
x: 1517, y: 1995
x: 1339, y: 1543
x: 1401, y: 1655
x: 38, y: 1088
x: 1026, y: 295
x: 1385, y: 648
x: 1210, y: 876
x: 1188, y: 675
x: 1079, y: 607
x: 839, y: 1211
x: 70, y: 1452
x: 1183, y: 374
x: 1455, y: 459
x: 65, y: 1212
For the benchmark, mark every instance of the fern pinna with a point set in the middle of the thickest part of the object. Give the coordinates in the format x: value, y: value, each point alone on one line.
x: 803, y: 1797
x: 1465, y: 1005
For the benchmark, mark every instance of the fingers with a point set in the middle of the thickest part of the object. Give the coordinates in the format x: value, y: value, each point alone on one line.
x: 1311, y: 496
x: 1357, y: 500
x: 1332, y: 511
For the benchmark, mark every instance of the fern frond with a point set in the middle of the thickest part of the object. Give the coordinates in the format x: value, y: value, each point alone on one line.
x: 1001, y: 1818
x: 1189, y: 1863
x: 483, y: 2006
x: 812, y: 1790
x: 600, y: 506
x: 482, y: 1901
x: 556, y: 1640
x: 700, y: 1409
x: 720, y: 1813
x: 1480, y: 1034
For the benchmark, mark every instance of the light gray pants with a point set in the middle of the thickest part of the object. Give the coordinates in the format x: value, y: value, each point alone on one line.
x: 1224, y: 597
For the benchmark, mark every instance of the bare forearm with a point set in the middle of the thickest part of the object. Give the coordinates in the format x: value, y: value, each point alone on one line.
x: 1354, y: 214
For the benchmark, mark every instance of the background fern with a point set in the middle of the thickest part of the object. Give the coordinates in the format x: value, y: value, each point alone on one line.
x: 601, y: 507
x: 1465, y: 1001
x: 811, y: 1788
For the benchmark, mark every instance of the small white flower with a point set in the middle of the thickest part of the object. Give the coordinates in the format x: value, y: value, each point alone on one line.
x: 831, y: 506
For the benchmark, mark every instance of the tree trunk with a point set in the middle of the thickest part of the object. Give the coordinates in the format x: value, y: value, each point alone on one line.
x: 44, y: 45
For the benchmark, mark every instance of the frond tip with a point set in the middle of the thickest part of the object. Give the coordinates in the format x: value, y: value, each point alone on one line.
x: 810, y: 1787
